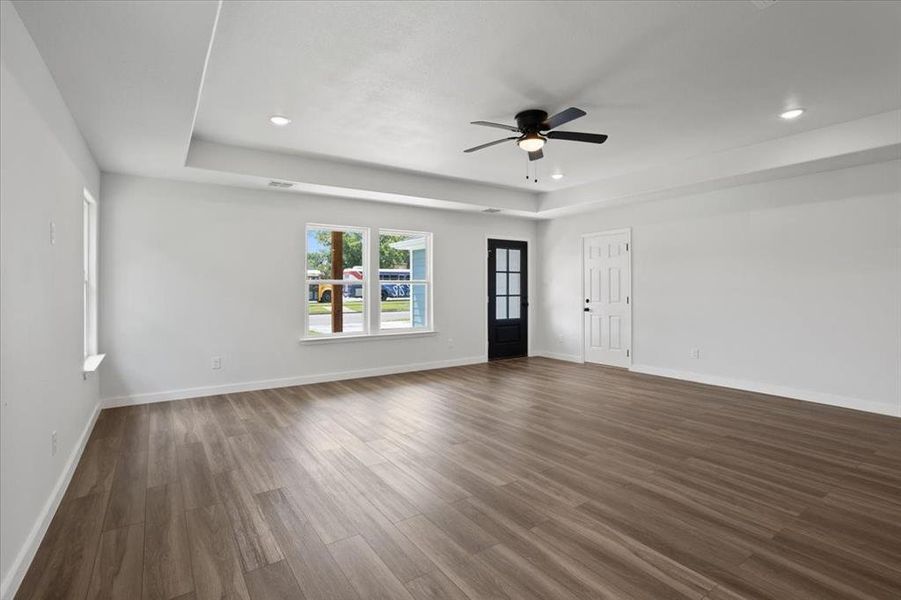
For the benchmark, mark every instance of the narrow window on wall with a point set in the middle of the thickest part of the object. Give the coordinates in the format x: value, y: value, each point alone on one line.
x: 336, y: 281
x: 405, y: 280
x: 89, y: 276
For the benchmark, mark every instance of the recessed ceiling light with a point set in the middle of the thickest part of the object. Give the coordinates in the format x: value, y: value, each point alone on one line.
x: 792, y: 114
x: 557, y: 176
x: 279, y: 120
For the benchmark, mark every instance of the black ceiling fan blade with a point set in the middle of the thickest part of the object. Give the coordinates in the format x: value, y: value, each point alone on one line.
x: 575, y: 136
x: 536, y: 154
x: 563, y: 117
x: 490, y: 144
x: 497, y: 125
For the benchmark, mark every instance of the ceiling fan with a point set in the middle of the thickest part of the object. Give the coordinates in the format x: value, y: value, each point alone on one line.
x: 534, y: 129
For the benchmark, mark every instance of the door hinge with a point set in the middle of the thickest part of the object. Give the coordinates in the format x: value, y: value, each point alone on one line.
x: 627, y: 246
x: 627, y: 353
x: 627, y: 299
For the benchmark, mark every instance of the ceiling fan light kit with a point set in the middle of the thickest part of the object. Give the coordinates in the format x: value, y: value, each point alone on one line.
x: 534, y: 129
x: 531, y: 142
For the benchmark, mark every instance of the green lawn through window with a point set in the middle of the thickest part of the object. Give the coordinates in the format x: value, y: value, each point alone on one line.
x: 355, y: 306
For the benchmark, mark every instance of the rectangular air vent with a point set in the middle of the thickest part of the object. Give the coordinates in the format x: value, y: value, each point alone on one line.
x: 281, y: 184
x: 761, y: 4
x: 491, y: 210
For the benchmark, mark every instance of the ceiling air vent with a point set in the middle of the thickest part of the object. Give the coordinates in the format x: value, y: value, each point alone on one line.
x: 281, y: 184
x: 491, y: 211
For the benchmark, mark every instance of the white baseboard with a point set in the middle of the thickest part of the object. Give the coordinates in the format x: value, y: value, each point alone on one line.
x: 773, y: 390
x: 13, y: 578
x: 576, y: 358
x: 265, y: 384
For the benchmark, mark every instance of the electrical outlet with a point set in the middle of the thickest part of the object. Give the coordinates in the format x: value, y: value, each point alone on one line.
x: 54, y: 439
x: 560, y: 339
x: 694, y: 353
x: 450, y: 342
x: 52, y: 233
x: 216, y: 362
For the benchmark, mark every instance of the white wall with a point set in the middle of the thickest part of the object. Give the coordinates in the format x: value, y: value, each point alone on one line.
x: 791, y: 286
x: 45, y: 166
x: 191, y: 271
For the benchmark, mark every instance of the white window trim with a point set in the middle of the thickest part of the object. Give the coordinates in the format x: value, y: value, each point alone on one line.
x: 377, y: 288
x: 372, y: 286
x: 382, y: 335
x: 91, y: 358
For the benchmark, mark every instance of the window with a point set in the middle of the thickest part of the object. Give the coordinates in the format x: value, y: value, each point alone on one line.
x: 342, y: 301
x: 89, y: 278
x: 335, y: 280
x: 404, y: 280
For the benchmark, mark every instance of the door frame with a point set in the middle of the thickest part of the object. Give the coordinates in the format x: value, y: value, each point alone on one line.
x: 628, y: 231
x: 529, y: 244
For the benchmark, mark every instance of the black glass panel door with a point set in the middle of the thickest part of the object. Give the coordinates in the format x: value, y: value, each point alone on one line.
x: 507, y: 299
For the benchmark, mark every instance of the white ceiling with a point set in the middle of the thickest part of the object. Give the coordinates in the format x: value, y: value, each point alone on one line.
x: 394, y: 85
x: 130, y: 73
x: 397, y: 83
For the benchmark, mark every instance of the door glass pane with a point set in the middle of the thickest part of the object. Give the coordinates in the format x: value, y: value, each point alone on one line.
x: 514, y: 307
x: 501, y: 260
x: 501, y: 310
x: 501, y: 287
x: 514, y: 260
x: 514, y: 283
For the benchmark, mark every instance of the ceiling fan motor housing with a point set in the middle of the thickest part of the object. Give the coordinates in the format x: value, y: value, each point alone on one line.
x: 530, y: 121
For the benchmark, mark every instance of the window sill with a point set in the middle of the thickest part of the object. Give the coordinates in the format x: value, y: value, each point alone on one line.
x: 371, y: 336
x: 92, y: 362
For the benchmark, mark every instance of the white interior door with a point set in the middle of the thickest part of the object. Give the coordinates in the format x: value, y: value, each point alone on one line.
x: 607, y: 285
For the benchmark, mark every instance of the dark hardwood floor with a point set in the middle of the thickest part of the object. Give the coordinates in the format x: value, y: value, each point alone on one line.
x: 523, y: 479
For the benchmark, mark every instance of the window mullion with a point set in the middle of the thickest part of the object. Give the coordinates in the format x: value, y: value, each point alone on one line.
x: 373, y: 292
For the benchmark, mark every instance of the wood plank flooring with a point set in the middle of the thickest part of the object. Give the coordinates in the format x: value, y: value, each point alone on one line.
x: 522, y: 479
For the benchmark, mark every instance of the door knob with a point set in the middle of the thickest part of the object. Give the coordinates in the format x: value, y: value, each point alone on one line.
x: 586, y: 309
